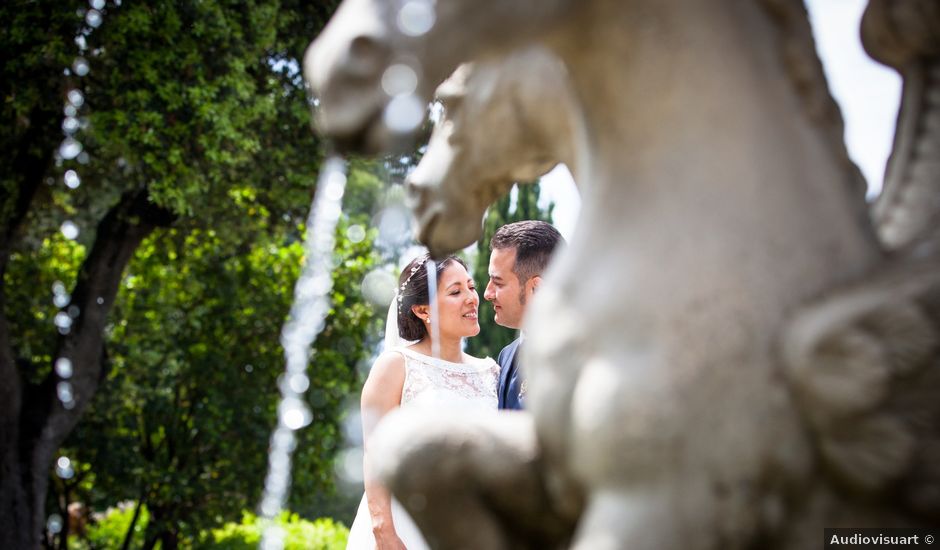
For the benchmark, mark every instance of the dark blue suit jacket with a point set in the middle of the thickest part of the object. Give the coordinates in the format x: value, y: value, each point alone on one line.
x: 510, y: 379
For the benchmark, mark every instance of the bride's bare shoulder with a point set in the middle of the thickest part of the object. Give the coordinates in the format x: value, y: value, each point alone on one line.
x: 388, y: 366
x: 392, y: 359
x: 385, y: 380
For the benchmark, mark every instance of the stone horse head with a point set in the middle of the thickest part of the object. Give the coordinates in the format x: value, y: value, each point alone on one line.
x: 504, y: 120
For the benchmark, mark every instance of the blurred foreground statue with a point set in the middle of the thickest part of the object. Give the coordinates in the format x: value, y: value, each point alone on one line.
x: 734, y: 351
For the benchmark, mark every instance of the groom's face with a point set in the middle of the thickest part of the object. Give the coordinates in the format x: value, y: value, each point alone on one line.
x: 504, y: 289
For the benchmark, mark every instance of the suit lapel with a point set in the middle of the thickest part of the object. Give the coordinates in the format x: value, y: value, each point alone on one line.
x: 506, y: 370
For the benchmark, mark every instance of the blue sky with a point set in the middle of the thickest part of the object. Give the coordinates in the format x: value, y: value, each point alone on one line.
x: 868, y: 94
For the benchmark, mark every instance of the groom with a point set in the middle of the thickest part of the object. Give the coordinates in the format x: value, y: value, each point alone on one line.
x: 520, y: 252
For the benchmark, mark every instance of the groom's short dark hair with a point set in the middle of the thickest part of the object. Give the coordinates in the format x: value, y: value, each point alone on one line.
x: 534, y: 241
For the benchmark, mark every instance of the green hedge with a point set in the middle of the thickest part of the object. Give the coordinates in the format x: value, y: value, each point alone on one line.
x: 301, y: 534
x: 321, y: 534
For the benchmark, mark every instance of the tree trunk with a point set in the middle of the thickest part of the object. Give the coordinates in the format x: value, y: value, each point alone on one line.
x: 33, y: 421
x: 129, y: 536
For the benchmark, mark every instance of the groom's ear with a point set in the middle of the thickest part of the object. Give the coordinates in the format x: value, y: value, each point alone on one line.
x: 533, y: 284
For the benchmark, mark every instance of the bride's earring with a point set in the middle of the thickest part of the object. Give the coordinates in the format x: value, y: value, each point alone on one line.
x: 428, y: 320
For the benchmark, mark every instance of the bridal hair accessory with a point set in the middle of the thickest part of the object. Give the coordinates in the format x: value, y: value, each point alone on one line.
x: 414, y: 269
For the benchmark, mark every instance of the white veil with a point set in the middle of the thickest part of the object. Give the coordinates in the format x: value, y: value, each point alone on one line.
x: 392, y: 339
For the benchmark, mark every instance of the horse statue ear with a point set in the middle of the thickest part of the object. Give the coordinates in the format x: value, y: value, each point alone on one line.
x: 905, y: 34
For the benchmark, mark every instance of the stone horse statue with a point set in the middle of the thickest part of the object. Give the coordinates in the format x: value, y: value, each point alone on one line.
x: 730, y: 353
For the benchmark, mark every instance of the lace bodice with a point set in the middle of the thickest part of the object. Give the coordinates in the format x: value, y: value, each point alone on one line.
x: 445, y: 385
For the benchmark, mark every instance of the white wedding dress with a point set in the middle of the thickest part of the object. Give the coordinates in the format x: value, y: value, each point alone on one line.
x: 439, y: 386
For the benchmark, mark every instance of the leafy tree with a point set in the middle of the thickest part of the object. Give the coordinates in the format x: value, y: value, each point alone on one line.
x: 192, y: 389
x: 198, y: 120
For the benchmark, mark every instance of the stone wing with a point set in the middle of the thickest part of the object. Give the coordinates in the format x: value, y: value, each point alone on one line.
x: 863, y: 365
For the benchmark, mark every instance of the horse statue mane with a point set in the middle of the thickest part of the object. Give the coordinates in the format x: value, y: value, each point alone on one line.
x: 734, y: 350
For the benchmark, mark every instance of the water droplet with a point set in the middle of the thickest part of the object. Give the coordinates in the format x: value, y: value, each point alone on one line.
x: 83, y: 157
x: 76, y: 97
x: 69, y: 230
x: 72, y: 181
x: 394, y: 224
x: 299, y: 382
x: 335, y: 186
x: 294, y: 414
x: 54, y: 524
x: 80, y: 42
x: 416, y: 17
x: 404, y: 113
x: 64, y: 391
x: 70, y: 110
x: 60, y: 300
x: 96, y: 4
x: 356, y: 233
x: 70, y: 148
x: 100, y: 300
x: 74, y: 311
x: 70, y: 125
x: 62, y: 320
x: 63, y: 468
x: 80, y: 66
x: 399, y: 79
x: 283, y: 439
x: 274, y: 536
x: 63, y: 367
x: 378, y: 287
x: 352, y: 427
x: 93, y: 18
x: 117, y: 2
x: 349, y: 465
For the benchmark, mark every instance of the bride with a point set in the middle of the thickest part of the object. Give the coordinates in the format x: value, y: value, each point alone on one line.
x: 409, y: 376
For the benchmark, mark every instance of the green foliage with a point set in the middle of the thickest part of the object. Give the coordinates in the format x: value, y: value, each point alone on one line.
x: 492, y: 337
x: 299, y: 534
x: 30, y: 280
x: 199, y: 105
x: 109, y: 531
x: 195, y: 360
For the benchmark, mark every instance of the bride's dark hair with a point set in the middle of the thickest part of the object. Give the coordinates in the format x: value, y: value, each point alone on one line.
x: 413, y: 291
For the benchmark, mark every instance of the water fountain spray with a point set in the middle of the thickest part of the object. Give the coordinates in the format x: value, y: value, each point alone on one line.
x: 307, y: 319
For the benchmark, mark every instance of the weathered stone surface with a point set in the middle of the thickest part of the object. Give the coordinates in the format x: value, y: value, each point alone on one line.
x: 729, y: 353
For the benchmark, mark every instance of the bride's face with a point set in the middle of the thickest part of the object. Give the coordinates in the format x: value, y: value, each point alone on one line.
x: 457, y: 303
